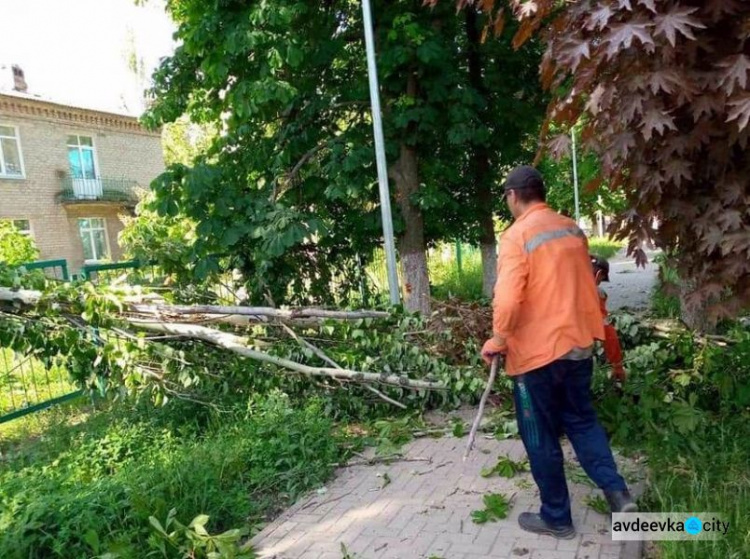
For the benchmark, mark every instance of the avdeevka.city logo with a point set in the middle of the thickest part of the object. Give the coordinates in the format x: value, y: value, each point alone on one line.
x: 668, y: 526
x: 693, y: 525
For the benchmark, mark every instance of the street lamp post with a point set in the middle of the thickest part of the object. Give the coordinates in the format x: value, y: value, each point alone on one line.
x: 575, y: 176
x: 377, y: 126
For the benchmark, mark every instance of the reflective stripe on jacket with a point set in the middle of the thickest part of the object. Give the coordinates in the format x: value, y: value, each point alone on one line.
x: 546, y: 301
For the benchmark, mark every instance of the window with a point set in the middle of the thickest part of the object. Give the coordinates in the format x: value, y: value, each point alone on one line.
x: 94, y: 238
x: 81, y: 157
x: 11, y: 164
x: 22, y: 225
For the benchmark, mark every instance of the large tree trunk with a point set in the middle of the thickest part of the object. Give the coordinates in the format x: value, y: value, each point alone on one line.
x: 412, y: 248
x: 694, y: 316
x: 405, y: 174
x: 480, y: 165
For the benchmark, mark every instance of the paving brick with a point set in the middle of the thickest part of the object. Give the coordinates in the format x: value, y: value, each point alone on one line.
x: 548, y: 554
x: 418, y: 516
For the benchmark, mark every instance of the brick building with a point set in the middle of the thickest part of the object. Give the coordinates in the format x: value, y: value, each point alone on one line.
x: 68, y: 174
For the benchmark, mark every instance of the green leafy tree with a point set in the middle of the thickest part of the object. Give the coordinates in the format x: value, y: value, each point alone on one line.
x: 287, y: 193
x: 15, y: 247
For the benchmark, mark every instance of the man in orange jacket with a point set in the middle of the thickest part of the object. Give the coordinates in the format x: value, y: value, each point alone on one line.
x: 546, y: 317
x: 612, y: 349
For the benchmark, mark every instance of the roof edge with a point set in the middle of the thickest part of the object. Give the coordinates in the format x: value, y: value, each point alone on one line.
x: 59, y: 112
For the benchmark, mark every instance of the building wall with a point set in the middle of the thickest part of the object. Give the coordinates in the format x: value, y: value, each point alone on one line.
x: 122, y: 148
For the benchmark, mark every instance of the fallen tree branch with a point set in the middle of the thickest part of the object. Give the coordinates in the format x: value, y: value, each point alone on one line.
x: 26, y: 297
x: 260, y: 311
x: 380, y: 460
x: 331, y: 362
x: 238, y: 344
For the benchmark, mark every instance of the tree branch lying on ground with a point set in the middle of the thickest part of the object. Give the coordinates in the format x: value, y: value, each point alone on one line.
x: 238, y: 344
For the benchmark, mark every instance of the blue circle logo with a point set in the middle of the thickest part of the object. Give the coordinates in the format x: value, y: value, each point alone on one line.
x: 693, y: 525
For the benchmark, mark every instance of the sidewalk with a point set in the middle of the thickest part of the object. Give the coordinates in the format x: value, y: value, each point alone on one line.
x: 422, y: 509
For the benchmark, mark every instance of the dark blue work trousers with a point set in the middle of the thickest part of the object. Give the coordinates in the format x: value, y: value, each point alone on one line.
x: 551, y: 400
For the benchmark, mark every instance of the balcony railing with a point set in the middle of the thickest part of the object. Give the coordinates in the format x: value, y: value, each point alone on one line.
x: 100, y: 189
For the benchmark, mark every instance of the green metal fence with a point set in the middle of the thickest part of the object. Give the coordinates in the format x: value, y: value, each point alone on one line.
x: 131, y: 271
x: 57, y: 269
x: 28, y: 386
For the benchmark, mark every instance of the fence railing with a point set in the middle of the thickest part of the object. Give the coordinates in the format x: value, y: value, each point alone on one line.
x: 100, y: 189
x: 57, y: 269
x: 28, y: 386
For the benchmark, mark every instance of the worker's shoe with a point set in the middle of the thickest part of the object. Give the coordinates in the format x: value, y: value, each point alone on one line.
x: 533, y: 522
x: 620, y: 501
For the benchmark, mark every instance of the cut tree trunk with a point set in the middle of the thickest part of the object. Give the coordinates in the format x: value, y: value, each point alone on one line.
x: 480, y: 163
x: 412, y: 247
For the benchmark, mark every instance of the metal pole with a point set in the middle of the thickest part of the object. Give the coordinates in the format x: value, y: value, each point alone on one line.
x: 575, y: 177
x: 377, y: 126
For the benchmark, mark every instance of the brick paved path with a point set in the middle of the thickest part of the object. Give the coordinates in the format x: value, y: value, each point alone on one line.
x: 425, y: 512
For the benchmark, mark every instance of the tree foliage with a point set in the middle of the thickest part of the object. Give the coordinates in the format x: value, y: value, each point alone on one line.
x: 15, y: 247
x: 661, y: 89
x: 287, y: 193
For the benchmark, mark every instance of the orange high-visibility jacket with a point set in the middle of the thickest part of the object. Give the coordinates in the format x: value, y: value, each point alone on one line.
x: 546, y: 301
x: 612, y: 348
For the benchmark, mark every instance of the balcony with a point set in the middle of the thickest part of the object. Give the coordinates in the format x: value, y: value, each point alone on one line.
x: 102, y: 189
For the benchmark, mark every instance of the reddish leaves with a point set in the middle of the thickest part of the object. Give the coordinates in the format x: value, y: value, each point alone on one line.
x: 622, y: 36
x: 656, y: 120
x: 678, y: 21
x: 661, y: 91
x: 740, y: 110
x: 734, y: 75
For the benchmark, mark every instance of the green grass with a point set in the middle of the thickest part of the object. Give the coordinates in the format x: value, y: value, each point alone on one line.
x: 604, y: 246
x: 89, y: 489
x: 710, y: 474
x: 448, y: 280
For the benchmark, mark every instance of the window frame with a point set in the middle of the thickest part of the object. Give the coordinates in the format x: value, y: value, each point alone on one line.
x: 89, y: 230
x: 79, y: 147
x: 19, y: 146
x: 26, y: 232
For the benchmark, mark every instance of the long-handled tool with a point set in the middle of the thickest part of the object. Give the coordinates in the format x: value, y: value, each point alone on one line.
x: 482, y: 402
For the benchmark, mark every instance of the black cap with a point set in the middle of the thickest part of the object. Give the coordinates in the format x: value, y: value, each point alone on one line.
x: 524, y: 176
x: 600, y: 265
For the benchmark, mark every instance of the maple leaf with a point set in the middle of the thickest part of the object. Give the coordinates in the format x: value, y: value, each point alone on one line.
x: 731, y: 219
x: 649, y: 4
x: 735, y: 242
x: 732, y: 193
x: 622, y: 35
x: 559, y: 145
x: 622, y: 144
x: 665, y: 80
x: 599, y: 18
x: 712, y: 239
x: 678, y: 20
x: 592, y: 105
x: 656, y: 120
x: 572, y: 52
x: 675, y: 170
x: 735, y: 72
x: 740, y: 110
x: 625, y: 5
x: 632, y: 107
